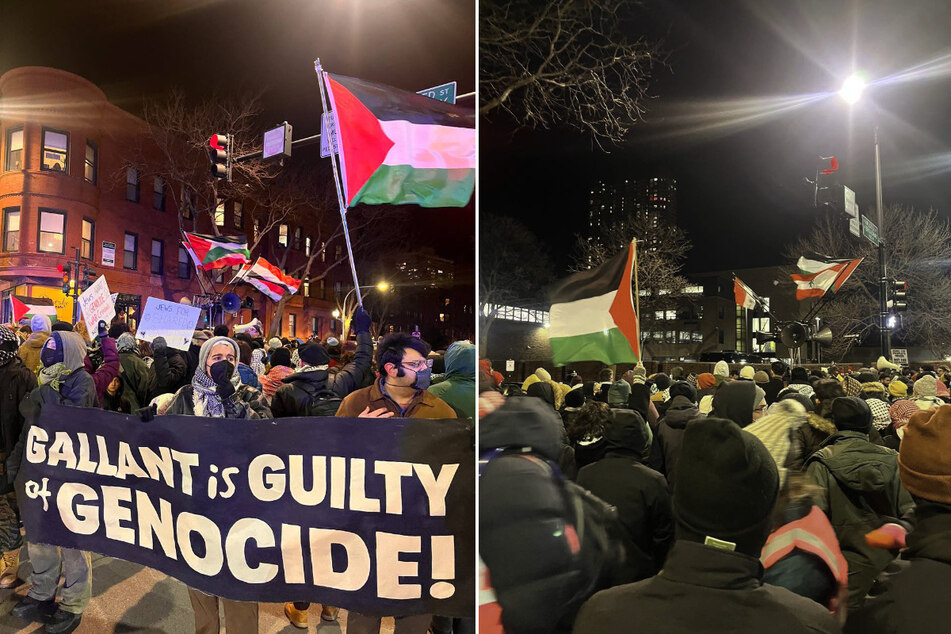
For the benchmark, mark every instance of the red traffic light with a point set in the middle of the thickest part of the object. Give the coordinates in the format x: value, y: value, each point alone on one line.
x: 218, y: 141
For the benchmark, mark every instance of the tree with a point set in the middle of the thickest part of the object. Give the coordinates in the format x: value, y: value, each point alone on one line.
x: 918, y: 251
x: 661, y: 251
x: 564, y: 62
x: 513, y: 269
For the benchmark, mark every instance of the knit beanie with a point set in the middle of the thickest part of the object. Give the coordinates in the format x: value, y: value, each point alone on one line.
x: 727, y: 484
x: 618, y: 393
x: 898, y: 389
x: 281, y: 356
x: 798, y: 375
x: 62, y: 326
x: 313, y: 354
x: 850, y: 413
x: 683, y: 388
x: 274, y: 343
x: 924, y: 460
x: 662, y: 381
x: 575, y: 398
x: 126, y: 343
x: 641, y: 371
x: 705, y: 380
x: 747, y: 372
x: 926, y: 386
x: 721, y: 369
x: 761, y: 377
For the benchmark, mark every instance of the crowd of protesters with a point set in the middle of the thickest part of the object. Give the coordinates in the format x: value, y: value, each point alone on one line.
x: 743, y: 500
x: 240, y: 376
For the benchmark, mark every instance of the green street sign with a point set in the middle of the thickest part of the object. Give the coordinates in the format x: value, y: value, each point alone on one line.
x: 443, y: 92
x: 869, y: 230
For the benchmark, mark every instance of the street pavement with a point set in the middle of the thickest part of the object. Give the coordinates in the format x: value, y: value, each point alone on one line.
x: 128, y: 598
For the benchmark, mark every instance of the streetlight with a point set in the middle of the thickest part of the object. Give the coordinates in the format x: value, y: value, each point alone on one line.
x: 381, y: 286
x: 851, y: 92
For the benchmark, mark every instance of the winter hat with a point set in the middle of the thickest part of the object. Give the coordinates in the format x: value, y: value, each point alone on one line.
x: 798, y: 375
x: 901, y: 411
x: 281, y: 356
x: 924, y: 460
x: 926, y: 386
x: 332, y: 342
x: 40, y: 322
x: 211, y: 343
x: 126, y: 343
x: 898, y: 389
x: 62, y: 326
x: 313, y: 354
x: 705, y: 380
x: 662, y: 381
x: 761, y: 377
x: 727, y: 484
x: 867, y: 377
x: 274, y: 343
x: 800, y: 398
x: 721, y: 369
x: 640, y: 370
x: 682, y: 388
x: 706, y: 404
x: 575, y: 398
x: 850, y: 413
x: 618, y: 393
x: 199, y: 338
x: 747, y: 372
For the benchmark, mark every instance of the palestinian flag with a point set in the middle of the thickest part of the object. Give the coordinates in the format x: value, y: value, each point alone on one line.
x: 745, y: 297
x: 27, y: 307
x: 216, y: 252
x: 397, y: 147
x: 592, y: 315
x: 815, y: 277
x: 267, y: 278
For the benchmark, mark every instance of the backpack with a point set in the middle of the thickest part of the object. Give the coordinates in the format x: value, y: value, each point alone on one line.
x: 593, y: 537
x: 322, y: 403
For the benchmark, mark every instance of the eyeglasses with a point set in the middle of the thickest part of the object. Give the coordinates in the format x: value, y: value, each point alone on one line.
x: 415, y: 366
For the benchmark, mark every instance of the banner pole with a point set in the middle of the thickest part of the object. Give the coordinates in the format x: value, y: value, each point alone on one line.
x: 333, y: 162
x: 637, y: 302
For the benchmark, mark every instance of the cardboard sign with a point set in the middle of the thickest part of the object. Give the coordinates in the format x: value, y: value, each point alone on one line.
x: 171, y: 320
x: 96, y: 304
x: 900, y: 356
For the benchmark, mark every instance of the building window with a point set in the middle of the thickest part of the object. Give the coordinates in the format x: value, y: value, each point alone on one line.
x: 11, y: 229
x: 322, y: 289
x: 92, y: 158
x: 52, y: 231
x: 306, y: 288
x: 130, y: 252
x: 55, y: 151
x: 338, y: 250
x: 720, y: 337
x: 720, y: 313
x: 670, y: 314
x: 338, y: 289
x: 89, y: 237
x: 297, y: 238
x: 184, y: 265
x: 307, y: 243
x: 158, y: 256
x: 292, y: 324
x: 658, y: 315
x: 132, y: 184
x: 158, y: 194
x: 220, y: 214
x: 282, y: 235
x: 14, y: 159
x: 238, y: 215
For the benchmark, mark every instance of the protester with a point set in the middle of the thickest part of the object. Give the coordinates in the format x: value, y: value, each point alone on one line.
x: 925, y: 393
x: 169, y: 366
x: 139, y: 378
x: 109, y: 367
x: 458, y: 387
x: 63, y: 381
x: 112, y: 399
x: 775, y: 429
x: 586, y: 432
x: 706, y: 384
x: 29, y: 351
x: 280, y: 369
x: 799, y: 381
x: 860, y: 485
x: 743, y: 402
x: 777, y: 369
x: 747, y: 372
x: 809, y: 436
x: 875, y: 395
x: 721, y: 372
x: 666, y: 446
x: 711, y: 582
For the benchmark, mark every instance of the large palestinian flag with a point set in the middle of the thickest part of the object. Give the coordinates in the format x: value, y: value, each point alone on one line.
x: 267, y: 278
x: 27, y: 307
x: 397, y: 147
x: 216, y: 252
x: 592, y: 315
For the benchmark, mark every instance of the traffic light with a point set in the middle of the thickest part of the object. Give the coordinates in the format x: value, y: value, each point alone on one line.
x: 65, y: 269
x: 219, y: 150
x: 87, y: 278
x: 899, y: 300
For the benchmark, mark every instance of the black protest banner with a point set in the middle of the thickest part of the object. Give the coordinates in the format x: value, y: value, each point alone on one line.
x: 373, y: 515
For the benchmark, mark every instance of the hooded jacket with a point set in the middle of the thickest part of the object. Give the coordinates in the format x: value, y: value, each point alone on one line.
x: 806, y: 439
x: 107, y: 370
x: 170, y: 370
x: 665, y: 450
x: 860, y: 484
x: 639, y: 493
x: 16, y: 381
x: 734, y: 401
x: 459, y: 387
x: 138, y: 377
x: 300, y: 388
x: 30, y: 349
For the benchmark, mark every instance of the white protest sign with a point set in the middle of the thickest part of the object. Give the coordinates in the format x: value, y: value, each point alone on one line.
x: 171, y: 320
x: 900, y: 356
x: 96, y: 304
x: 510, y: 365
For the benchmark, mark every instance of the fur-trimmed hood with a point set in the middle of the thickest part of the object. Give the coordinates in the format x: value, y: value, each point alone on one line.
x: 874, y: 388
x: 822, y: 424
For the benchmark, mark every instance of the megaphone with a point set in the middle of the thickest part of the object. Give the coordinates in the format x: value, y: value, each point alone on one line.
x: 764, y: 337
x: 231, y: 302
x: 254, y: 328
x: 824, y: 336
x: 794, y: 334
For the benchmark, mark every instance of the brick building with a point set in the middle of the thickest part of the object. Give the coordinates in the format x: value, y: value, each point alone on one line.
x: 63, y: 187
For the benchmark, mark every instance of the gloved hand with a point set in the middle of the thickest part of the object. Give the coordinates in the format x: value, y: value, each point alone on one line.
x: 103, y: 329
x: 361, y: 320
x: 221, y: 373
x: 146, y: 414
x: 159, y: 344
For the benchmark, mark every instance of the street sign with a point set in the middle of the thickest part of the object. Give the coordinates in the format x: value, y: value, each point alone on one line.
x: 443, y: 92
x: 869, y: 230
x: 900, y: 356
x: 849, y: 205
x: 328, y: 135
x: 277, y: 141
x: 855, y: 227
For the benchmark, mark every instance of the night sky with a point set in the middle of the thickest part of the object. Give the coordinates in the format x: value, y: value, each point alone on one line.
x: 139, y: 50
x: 722, y: 124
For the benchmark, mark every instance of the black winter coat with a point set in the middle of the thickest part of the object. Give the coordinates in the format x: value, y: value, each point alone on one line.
x: 170, y: 370
x: 299, y: 389
x: 703, y: 589
x: 16, y: 381
x: 665, y: 450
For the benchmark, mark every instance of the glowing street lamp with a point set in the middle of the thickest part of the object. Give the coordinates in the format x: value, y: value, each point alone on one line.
x: 852, y: 88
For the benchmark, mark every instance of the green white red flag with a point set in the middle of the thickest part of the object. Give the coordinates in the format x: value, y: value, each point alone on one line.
x: 397, y: 147
x: 592, y: 315
x: 216, y: 252
x: 815, y: 277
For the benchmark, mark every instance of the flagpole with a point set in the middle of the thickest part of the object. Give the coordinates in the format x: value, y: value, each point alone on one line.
x: 637, y: 304
x: 333, y: 162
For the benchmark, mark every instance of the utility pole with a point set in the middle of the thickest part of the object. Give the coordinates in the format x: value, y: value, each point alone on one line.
x: 882, y: 274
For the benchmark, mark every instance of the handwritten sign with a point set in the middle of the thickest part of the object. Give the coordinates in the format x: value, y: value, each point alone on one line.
x: 171, y: 320
x: 96, y: 304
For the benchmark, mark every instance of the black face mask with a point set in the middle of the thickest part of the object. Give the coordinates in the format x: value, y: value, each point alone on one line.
x: 221, y: 371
